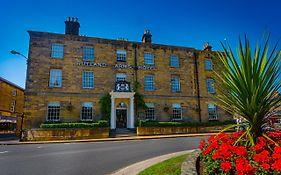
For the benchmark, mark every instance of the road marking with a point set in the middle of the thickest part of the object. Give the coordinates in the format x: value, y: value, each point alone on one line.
x: 39, y: 147
x: 3, y: 152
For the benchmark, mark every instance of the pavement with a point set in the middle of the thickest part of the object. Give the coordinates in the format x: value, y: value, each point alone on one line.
x: 136, y: 168
x: 17, y: 142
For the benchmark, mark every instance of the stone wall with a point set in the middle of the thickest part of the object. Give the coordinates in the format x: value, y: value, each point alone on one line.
x: 142, y: 131
x: 65, y: 134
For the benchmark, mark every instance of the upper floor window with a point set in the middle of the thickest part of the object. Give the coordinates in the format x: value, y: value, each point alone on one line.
x: 88, y: 79
x: 212, y: 112
x: 208, y: 64
x: 148, y: 58
x: 211, y: 86
x: 55, y: 78
x: 150, y: 111
x: 174, y: 61
x: 13, y: 106
x: 53, y: 111
x: 87, y: 111
x: 175, y: 84
x: 149, y: 83
x: 177, y: 112
x: 121, y: 77
x: 57, y: 51
x: 121, y: 55
x: 88, y: 53
x: 14, y: 93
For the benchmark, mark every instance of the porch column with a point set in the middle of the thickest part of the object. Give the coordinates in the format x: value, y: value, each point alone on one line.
x: 132, y: 114
x: 112, y: 116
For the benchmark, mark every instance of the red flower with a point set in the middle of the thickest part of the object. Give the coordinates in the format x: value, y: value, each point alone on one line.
x: 265, y: 166
x: 226, y: 166
x: 277, y: 149
x: 241, y: 151
x: 277, y: 165
x: 202, y: 144
x: 243, y: 167
x: 262, y: 157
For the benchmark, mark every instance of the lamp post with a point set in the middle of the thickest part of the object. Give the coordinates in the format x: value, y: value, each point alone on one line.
x: 22, y: 115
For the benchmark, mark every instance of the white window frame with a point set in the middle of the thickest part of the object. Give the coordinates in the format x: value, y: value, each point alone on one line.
x: 149, y: 84
x: 174, y: 61
x: 176, y: 107
x: 13, y: 106
x: 57, y: 50
x: 175, y: 83
x: 210, y: 86
x: 148, y: 58
x: 208, y: 64
x: 14, y: 93
x: 212, y: 114
x: 55, y: 80
x: 88, y: 110
x: 88, y: 53
x: 88, y: 80
x: 121, y: 55
x: 55, y: 106
x: 150, y: 111
x: 121, y: 77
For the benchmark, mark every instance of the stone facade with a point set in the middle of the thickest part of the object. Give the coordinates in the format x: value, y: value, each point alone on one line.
x: 105, y: 67
x: 11, y: 103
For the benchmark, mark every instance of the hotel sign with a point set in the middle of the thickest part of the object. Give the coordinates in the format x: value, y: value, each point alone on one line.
x: 115, y: 66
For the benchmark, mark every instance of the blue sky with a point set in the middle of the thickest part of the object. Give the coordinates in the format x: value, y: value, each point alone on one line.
x: 174, y: 22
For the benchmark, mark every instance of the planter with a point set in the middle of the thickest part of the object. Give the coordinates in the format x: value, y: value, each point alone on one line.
x: 65, y: 134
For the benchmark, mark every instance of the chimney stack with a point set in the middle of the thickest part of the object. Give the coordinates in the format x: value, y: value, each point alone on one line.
x: 207, y: 46
x: 146, y: 37
x: 72, y: 26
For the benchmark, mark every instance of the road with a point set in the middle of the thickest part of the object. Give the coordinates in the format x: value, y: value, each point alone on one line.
x: 91, y: 158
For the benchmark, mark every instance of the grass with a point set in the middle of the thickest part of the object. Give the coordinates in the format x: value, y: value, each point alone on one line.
x: 168, y: 167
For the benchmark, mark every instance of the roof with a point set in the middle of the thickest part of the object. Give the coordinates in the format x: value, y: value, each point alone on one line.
x: 10, y: 83
x: 111, y: 40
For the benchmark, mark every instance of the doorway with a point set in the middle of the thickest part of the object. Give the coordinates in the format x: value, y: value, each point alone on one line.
x: 121, y: 118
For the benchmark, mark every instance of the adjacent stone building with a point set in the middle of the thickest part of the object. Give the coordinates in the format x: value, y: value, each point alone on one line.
x: 68, y: 74
x: 11, y: 105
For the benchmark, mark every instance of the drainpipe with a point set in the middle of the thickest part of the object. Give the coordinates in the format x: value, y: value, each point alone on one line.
x: 136, y: 74
x: 197, y: 84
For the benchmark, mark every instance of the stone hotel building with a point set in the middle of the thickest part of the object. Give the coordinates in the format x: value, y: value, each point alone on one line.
x: 67, y: 75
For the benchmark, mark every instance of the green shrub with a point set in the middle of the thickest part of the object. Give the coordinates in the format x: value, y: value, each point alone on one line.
x: 99, y: 124
x: 143, y: 123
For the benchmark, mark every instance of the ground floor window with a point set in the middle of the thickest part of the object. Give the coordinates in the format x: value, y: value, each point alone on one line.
x: 150, y: 111
x: 53, y: 111
x: 212, y: 112
x: 87, y: 111
x: 177, y: 112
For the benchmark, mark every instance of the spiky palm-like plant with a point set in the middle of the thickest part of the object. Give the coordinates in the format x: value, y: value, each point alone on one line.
x: 248, y: 84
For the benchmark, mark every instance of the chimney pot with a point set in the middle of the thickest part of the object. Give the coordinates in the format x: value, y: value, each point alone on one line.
x: 72, y: 26
x: 146, y: 37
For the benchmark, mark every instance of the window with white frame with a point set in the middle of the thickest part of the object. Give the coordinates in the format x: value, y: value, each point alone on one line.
x: 210, y: 86
x: 212, y: 112
x: 148, y: 58
x: 149, y: 83
x: 57, y: 51
x: 121, y: 55
x: 53, y: 111
x: 177, y: 111
x: 150, y: 111
x: 87, y: 111
x: 13, y: 106
x: 55, y: 78
x: 88, y: 79
x: 88, y: 53
x: 14, y: 93
x: 175, y: 84
x: 121, y: 77
x: 174, y: 61
x: 208, y: 64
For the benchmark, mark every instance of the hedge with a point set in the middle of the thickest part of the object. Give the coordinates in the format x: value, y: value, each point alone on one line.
x: 143, y: 123
x: 99, y: 124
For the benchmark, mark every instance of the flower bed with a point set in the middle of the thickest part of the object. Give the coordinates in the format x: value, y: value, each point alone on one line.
x: 223, y: 154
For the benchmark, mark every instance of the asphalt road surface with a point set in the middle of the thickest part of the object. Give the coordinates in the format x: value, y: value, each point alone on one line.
x: 91, y: 158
